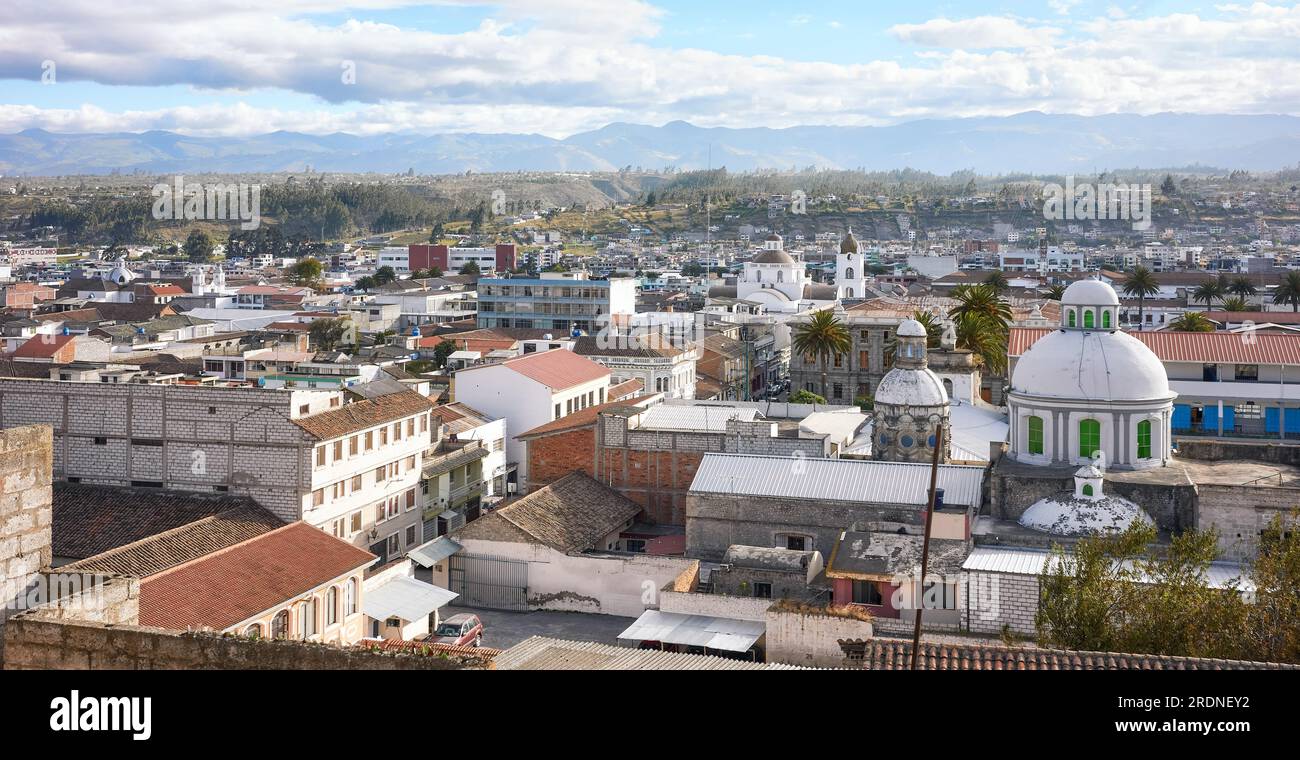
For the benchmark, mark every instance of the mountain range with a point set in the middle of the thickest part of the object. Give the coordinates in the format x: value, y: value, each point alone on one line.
x: 1030, y: 142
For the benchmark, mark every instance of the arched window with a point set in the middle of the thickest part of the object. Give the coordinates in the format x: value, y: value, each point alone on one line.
x: 1144, y: 439
x: 1035, y: 435
x: 280, y: 625
x: 253, y: 631
x: 1087, y: 318
x: 848, y: 292
x: 848, y: 273
x: 307, y: 618
x: 332, y: 605
x: 350, y: 597
x: 1089, y: 437
x: 780, y: 276
x: 947, y: 387
x: 1087, y: 489
x: 1069, y: 317
x: 1105, y: 319
x: 759, y: 272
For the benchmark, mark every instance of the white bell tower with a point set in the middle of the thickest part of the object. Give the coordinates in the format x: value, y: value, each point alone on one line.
x: 850, y: 274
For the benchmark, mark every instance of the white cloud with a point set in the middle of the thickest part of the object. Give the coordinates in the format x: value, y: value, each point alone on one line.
x: 976, y: 33
x: 560, y: 66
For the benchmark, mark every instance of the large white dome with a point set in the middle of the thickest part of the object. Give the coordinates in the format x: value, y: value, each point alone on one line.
x: 1089, y: 293
x: 911, y: 387
x: 1087, y: 366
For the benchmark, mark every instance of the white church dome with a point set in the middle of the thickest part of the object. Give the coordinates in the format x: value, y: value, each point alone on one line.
x: 915, y: 387
x: 1091, y: 366
x: 910, y: 328
x: 1089, y: 293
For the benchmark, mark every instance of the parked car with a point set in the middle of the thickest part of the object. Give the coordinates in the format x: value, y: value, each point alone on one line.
x: 459, y: 630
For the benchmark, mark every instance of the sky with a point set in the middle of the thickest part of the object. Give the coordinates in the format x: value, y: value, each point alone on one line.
x: 556, y: 67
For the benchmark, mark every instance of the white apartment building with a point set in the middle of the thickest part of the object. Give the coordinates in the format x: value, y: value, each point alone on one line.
x: 366, y: 462
x: 532, y: 390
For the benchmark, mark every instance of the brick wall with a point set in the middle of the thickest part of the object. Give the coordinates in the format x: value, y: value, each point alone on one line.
x: 993, y: 600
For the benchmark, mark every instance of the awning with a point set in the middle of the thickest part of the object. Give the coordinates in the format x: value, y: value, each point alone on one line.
x: 406, y: 598
x: 695, y: 630
x: 430, y: 554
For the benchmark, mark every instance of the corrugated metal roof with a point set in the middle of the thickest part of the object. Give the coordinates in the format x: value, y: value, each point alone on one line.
x: 435, y: 551
x: 541, y: 653
x: 406, y: 598
x: 1025, y: 561
x: 695, y: 630
x: 1211, y: 347
x: 701, y: 418
x: 835, y: 479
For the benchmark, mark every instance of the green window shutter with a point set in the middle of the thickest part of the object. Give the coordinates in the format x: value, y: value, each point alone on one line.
x: 1035, y: 435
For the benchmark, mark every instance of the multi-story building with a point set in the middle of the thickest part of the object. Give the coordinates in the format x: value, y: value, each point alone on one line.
x: 660, y: 366
x: 500, y: 258
x: 352, y: 469
x: 531, y: 390
x: 560, y: 301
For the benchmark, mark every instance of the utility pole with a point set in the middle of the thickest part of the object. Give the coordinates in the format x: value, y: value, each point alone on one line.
x: 919, y: 593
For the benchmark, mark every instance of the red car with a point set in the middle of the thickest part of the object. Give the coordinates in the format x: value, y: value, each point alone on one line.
x: 459, y: 630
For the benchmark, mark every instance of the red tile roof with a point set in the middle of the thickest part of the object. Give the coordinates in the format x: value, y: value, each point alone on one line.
x: 893, y: 654
x: 1258, y: 317
x: 42, y: 346
x: 625, y: 389
x: 583, y: 418
x: 359, y: 415
x: 234, y: 584
x: 1212, y: 347
x: 557, y: 369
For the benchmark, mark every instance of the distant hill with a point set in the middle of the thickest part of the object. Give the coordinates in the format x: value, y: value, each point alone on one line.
x: 1028, y: 142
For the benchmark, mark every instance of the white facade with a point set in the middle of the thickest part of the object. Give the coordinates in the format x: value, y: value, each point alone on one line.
x: 850, y: 271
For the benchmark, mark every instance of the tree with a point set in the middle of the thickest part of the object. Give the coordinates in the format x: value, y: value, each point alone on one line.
x: 435, y: 235
x: 998, y: 280
x: 470, y: 268
x: 822, y: 337
x: 385, y: 275
x: 981, y: 320
x: 442, y: 351
x: 1140, y: 284
x: 1054, y: 292
x: 1168, y: 188
x: 1235, y: 303
x: 326, y: 334
x: 1084, y: 593
x: 1288, y: 291
x: 198, y: 247
x: 1192, y: 321
x: 366, y: 283
x: 1242, y: 286
x: 806, y: 397
x: 1273, y: 620
x: 307, y: 273
x: 1208, y: 292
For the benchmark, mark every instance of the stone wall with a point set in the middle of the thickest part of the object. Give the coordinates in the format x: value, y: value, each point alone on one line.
x: 1214, y: 450
x: 25, y: 515
x: 241, y: 440
x: 811, y: 637
x: 1240, y: 513
x: 1013, y: 488
x: 714, y: 605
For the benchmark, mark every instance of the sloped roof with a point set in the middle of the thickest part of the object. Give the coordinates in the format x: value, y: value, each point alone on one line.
x: 582, y: 418
x: 42, y: 346
x: 896, y: 654
x: 1211, y: 347
x: 570, y: 515
x: 557, y: 369
x: 236, y: 583
x: 360, y: 415
x: 154, y: 554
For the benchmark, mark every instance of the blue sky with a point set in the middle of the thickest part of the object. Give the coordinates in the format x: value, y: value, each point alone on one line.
x: 560, y: 66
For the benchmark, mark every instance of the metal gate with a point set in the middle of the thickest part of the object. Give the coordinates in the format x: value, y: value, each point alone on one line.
x: 490, y: 582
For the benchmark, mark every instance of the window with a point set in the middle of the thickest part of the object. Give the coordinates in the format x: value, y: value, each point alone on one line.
x: 1069, y: 317
x: 350, y: 597
x: 410, y: 500
x: 381, y: 474
x: 837, y: 391
x: 101, y: 441
x: 394, y: 544
x: 1089, y: 437
x: 383, y: 436
x: 410, y: 536
x: 1105, y: 319
x: 867, y: 592
x: 280, y: 625
x: 1087, y: 318
x: 838, y: 360
x: 304, y: 409
x: 1087, y: 489
x: 253, y: 631
x: 307, y: 618
x: 332, y: 605
x: 318, y: 497
x: 796, y: 543
x: 1144, y: 439
x: 356, y: 483
x: 762, y: 591
x: 356, y: 522
x: 1035, y: 435
x: 557, y: 412
x: 370, y: 440
x: 1247, y: 372
x: 352, y: 446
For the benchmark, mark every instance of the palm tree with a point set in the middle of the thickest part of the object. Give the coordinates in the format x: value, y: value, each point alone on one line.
x: 1209, y: 291
x: 998, y: 280
x: 1288, y: 291
x: 1235, y: 303
x: 1192, y: 321
x: 1054, y: 292
x: 981, y: 320
x: 1242, y: 286
x: 822, y: 336
x: 1140, y: 284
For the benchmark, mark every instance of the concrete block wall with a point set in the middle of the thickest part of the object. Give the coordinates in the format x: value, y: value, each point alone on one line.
x: 242, y: 440
x: 1240, y: 513
x: 811, y: 639
x: 994, y: 600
